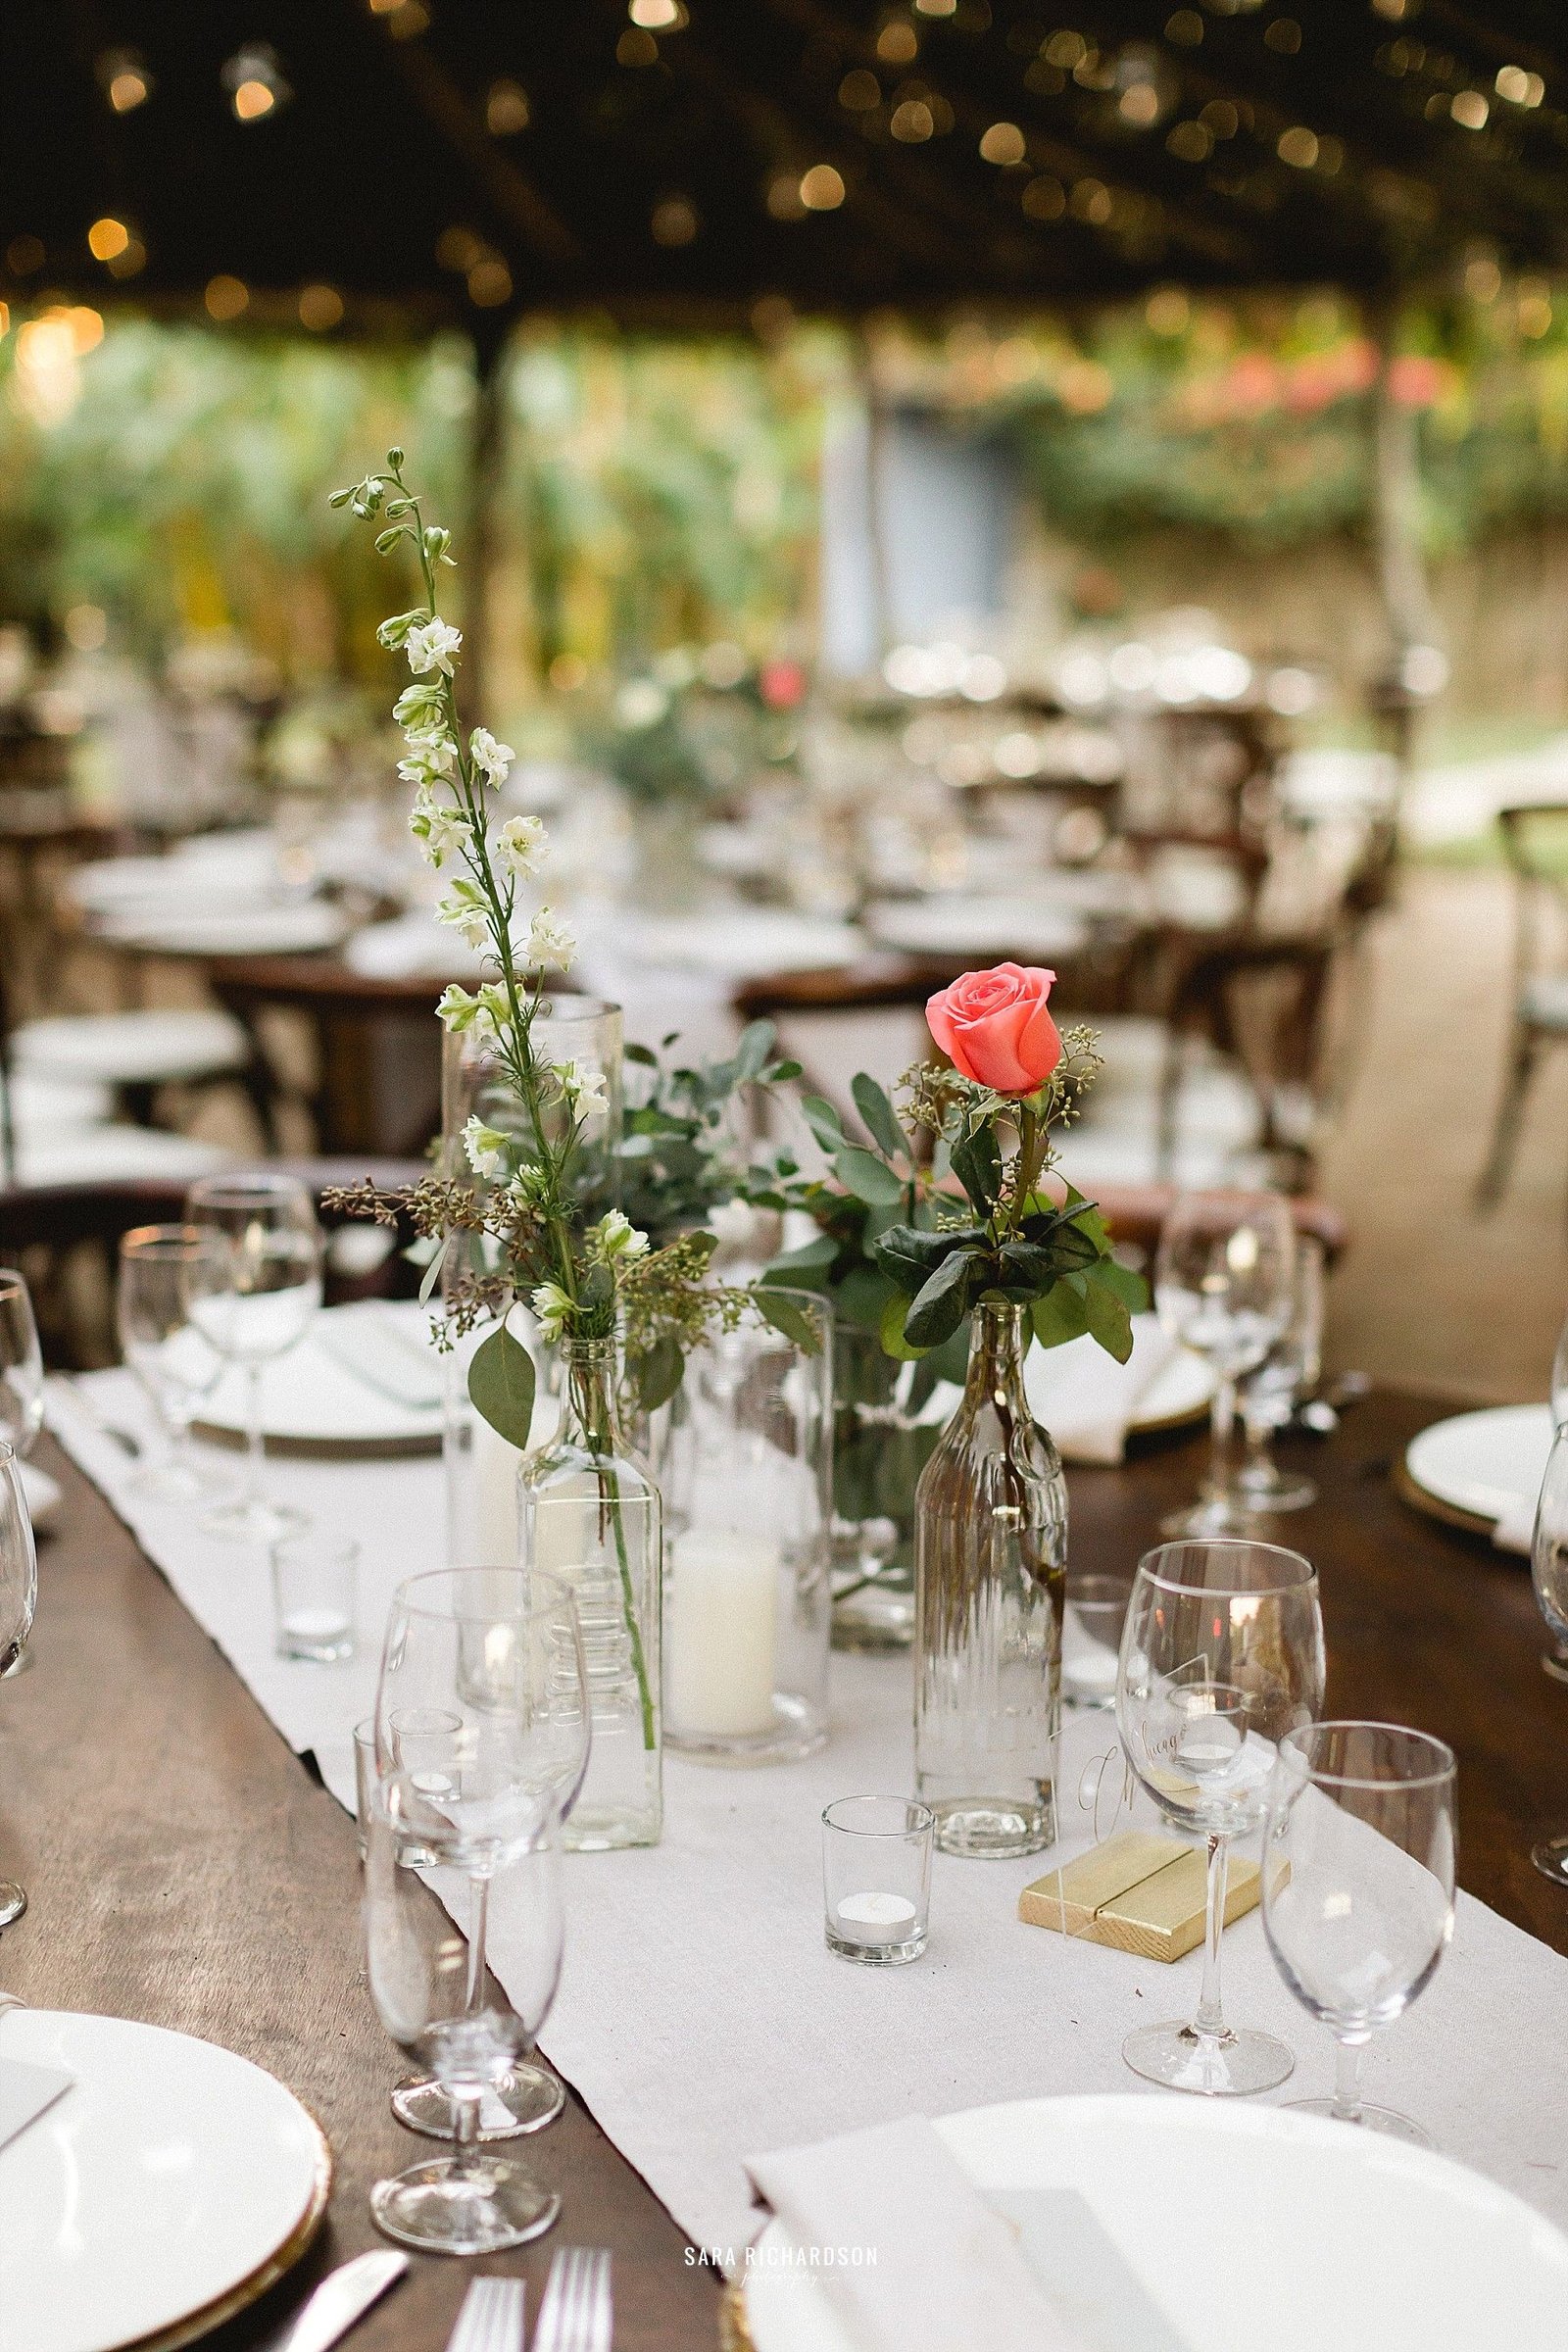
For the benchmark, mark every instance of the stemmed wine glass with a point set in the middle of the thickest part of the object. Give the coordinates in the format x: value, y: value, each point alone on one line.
x: 1223, y: 1277
x: 482, y: 1710
x: 1358, y: 1858
x: 161, y: 1343
x: 19, y: 1595
x: 253, y: 1299
x: 21, y: 1366
x: 1221, y: 1656
x: 1269, y: 1394
x: 1548, y: 1569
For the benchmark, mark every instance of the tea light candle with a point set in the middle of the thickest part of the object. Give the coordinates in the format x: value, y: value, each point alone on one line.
x: 874, y: 1918
x: 721, y: 1634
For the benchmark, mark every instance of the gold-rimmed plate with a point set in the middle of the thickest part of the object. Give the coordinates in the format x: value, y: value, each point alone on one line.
x: 170, y: 2187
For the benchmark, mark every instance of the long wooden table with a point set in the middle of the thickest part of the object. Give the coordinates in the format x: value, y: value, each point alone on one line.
x: 185, y: 1868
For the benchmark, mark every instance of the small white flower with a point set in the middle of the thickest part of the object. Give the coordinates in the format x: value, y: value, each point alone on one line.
x: 430, y: 645
x: 494, y: 1009
x: 640, y: 704
x: 583, y: 1088
x: 493, y: 760
x: 486, y: 1147
x: 553, y: 1308
x: 619, y: 1237
x: 431, y: 762
x: 420, y: 710
x: 438, y: 827
x: 549, y: 942
x: 393, y: 630
x: 521, y: 846
x: 457, y: 1010
x: 463, y: 910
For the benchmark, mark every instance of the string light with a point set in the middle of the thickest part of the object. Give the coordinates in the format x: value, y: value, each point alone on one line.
x: 320, y: 308
x: 673, y: 221
x: 1003, y: 144
x: 898, y: 43
x: 106, y: 239
x: 636, y: 48
x: 225, y: 297
x: 489, y: 283
x: 254, y: 80
x: 1519, y: 87
x: 1297, y: 147
x: 860, y: 91
x: 506, y: 109
x: 124, y: 79
x: 1470, y: 110
x: 656, y: 16
x: 821, y: 188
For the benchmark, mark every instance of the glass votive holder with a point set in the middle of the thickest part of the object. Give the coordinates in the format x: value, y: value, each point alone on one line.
x: 1094, y: 1613
x: 365, y: 1779
x: 876, y: 1878
x: 312, y: 1594
x: 427, y: 1741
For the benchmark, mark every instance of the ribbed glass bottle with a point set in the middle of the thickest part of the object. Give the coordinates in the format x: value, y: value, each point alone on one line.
x: 589, y: 1512
x: 991, y: 1550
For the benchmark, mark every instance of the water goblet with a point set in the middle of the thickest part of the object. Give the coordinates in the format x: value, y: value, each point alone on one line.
x: 438, y: 2000
x: 175, y: 1364
x: 21, y: 1365
x: 1222, y: 1285
x: 1358, y: 1857
x: 1548, y: 1569
x: 19, y: 1595
x: 1268, y: 1396
x: 1221, y: 1656
x: 482, y: 1701
x: 252, y: 1298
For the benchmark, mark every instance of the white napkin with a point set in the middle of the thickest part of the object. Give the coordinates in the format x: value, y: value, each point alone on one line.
x: 937, y: 2271
x: 1086, y: 1400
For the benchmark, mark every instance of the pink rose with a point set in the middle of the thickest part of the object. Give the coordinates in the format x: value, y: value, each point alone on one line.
x: 993, y: 1027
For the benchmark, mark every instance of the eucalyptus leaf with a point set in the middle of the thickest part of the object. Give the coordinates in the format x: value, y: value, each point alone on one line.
x: 868, y: 1178
x: 643, y: 1055
x: 501, y: 1384
x: 433, y: 1272
x: 805, y: 1268
x: 787, y: 1318
x: 823, y: 1121
x: 658, y: 1374
x: 756, y: 1043
x: 876, y: 1110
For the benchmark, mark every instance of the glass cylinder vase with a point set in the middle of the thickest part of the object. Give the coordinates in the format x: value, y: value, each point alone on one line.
x: 480, y: 1467
x: 745, y: 1465
x: 883, y: 1437
x: 991, y: 1549
x: 590, y: 1513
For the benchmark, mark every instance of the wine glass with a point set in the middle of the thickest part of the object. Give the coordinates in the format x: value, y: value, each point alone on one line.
x: 19, y: 1595
x: 1269, y: 1394
x: 438, y: 2000
x: 170, y: 1356
x: 1221, y: 1656
x: 1548, y: 1569
x: 1222, y: 1285
x: 483, y: 1702
x: 1358, y: 1854
x: 21, y: 1366
x: 251, y: 1300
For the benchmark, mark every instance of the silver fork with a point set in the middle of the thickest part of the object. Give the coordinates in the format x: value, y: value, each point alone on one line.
x: 491, y: 2318
x: 577, y: 2314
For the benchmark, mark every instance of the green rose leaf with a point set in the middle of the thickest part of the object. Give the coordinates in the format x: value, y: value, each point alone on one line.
x: 1061, y: 1315
x: 501, y: 1384
x: 868, y: 1178
x: 912, y: 1255
x: 1108, y: 1320
x: 876, y: 1110
x: 941, y: 1305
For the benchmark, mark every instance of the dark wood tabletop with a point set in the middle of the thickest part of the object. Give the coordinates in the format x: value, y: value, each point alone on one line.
x: 185, y: 1868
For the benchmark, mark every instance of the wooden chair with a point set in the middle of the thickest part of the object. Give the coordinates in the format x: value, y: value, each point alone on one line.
x: 1535, y: 840
x: 1261, y: 1003
x: 66, y: 1238
x: 374, y: 1049
x: 1135, y: 1214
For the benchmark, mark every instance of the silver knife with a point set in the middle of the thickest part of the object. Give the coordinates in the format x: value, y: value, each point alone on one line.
x: 341, y: 2299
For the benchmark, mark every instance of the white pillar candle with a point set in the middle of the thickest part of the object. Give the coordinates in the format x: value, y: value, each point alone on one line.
x: 721, y: 1634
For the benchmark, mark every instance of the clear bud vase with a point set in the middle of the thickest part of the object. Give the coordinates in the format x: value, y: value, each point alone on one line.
x: 589, y: 1512
x: 991, y: 1550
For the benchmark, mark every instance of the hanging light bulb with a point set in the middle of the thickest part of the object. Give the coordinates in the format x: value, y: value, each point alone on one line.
x: 124, y: 79
x: 253, y: 79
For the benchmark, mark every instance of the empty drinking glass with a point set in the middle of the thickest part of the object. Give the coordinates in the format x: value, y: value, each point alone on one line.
x: 1221, y: 1656
x: 1092, y: 1620
x: 1269, y: 1395
x: 1223, y: 1277
x: 1548, y: 1567
x: 161, y: 1343
x: 19, y: 1595
x: 1358, y: 1855
x: 482, y: 1705
x: 252, y: 1298
x: 438, y: 2000
x: 21, y: 1366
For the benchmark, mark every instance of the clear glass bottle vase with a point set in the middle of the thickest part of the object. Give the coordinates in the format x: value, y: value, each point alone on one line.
x: 991, y: 1550
x: 589, y: 1512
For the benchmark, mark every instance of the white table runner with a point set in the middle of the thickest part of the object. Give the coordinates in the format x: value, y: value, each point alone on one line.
x: 702, y: 2017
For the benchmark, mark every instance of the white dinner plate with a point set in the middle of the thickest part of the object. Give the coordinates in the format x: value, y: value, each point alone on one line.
x: 1249, y: 2227
x: 242, y: 929
x: 323, y: 1397
x: 979, y: 926
x: 172, y: 2179
x: 1486, y: 1464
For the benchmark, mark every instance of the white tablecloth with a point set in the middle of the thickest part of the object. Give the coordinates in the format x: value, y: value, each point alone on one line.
x: 702, y: 2017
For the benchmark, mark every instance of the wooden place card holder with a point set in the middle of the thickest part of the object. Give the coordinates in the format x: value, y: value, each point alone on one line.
x: 1138, y: 1893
